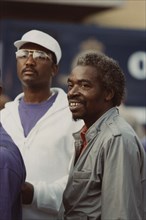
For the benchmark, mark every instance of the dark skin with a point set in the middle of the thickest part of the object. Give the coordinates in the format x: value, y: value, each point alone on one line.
x: 87, y: 99
x: 36, y: 79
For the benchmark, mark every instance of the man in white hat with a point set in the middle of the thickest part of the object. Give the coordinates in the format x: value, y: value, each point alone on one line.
x: 40, y: 123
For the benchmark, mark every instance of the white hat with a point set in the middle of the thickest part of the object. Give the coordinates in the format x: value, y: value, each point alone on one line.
x: 42, y: 39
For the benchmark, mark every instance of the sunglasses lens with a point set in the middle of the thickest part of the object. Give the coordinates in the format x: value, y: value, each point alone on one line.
x: 39, y: 55
x: 22, y: 54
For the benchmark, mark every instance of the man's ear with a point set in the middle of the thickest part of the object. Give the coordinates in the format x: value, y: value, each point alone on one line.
x: 109, y: 95
x: 55, y: 69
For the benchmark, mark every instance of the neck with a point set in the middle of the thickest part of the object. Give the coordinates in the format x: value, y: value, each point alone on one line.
x: 36, y: 96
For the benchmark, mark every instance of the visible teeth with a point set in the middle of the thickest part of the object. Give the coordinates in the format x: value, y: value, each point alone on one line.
x: 73, y: 104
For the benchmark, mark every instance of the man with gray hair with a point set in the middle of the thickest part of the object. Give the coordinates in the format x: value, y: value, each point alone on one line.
x: 108, y: 173
x: 40, y: 123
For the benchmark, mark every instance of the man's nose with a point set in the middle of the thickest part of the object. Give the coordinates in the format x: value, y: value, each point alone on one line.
x: 30, y: 59
x: 73, y: 91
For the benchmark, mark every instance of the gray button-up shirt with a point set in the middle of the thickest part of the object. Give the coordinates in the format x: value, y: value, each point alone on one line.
x: 107, y: 181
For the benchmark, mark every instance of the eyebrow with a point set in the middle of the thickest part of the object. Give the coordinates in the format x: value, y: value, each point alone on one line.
x: 80, y: 80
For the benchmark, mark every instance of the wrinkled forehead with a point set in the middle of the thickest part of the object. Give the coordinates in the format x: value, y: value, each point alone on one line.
x: 84, y: 71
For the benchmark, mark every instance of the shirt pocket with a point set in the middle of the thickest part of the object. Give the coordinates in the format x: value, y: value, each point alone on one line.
x: 80, y: 180
x: 85, y: 183
x: 81, y: 175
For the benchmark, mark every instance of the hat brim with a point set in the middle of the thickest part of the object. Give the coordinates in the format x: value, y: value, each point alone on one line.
x: 19, y: 43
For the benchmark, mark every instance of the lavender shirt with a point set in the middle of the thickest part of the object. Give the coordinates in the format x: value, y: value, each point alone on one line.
x: 31, y: 113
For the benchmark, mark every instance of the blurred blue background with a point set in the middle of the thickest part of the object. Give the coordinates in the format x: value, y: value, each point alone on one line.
x: 117, y: 28
x: 126, y: 46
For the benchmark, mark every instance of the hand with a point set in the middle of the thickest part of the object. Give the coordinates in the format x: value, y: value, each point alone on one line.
x: 27, y: 192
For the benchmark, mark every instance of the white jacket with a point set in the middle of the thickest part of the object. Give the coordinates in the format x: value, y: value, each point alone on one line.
x: 47, y: 151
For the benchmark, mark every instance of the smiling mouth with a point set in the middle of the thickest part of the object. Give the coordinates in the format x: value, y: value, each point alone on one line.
x: 75, y: 106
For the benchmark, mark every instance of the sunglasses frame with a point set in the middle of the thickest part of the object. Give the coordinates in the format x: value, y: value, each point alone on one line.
x: 32, y: 53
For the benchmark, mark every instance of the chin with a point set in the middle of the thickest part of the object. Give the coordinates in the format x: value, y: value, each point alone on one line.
x: 76, y: 117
